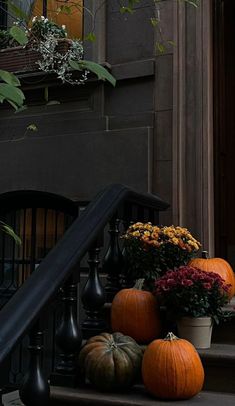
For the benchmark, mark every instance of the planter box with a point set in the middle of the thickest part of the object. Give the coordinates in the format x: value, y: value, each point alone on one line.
x: 19, y: 59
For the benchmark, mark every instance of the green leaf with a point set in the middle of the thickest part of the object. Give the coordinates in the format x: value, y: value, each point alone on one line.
x: 19, y: 35
x: 75, y: 65
x: 12, y: 104
x: 64, y: 9
x: 32, y: 127
x: 171, y: 42
x: 17, y: 11
x: 124, y: 10
x: 100, y: 71
x: 193, y: 3
x: 160, y: 47
x: 8, y: 230
x: 154, y: 21
x: 90, y: 37
x: 12, y: 93
x: 9, y: 78
x: 21, y: 108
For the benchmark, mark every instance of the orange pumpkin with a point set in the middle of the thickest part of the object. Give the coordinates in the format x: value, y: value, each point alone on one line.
x: 172, y: 369
x: 135, y: 313
x: 217, y: 265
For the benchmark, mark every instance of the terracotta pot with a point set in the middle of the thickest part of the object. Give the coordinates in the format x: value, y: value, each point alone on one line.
x: 197, y: 330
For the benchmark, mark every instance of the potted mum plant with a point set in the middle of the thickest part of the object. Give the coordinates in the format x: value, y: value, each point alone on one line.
x: 194, y: 299
x: 150, y: 250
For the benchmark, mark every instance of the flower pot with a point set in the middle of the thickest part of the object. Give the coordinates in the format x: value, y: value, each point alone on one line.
x: 197, y: 330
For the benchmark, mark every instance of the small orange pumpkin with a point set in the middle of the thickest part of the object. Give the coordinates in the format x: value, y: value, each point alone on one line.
x: 217, y: 265
x: 172, y: 369
x: 135, y: 313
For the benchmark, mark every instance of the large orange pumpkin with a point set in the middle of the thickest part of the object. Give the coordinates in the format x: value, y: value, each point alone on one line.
x: 172, y: 369
x: 135, y: 313
x: 217, y: 265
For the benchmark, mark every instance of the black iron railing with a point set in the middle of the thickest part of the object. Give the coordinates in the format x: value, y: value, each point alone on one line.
x: 44, y: 8
x: 27, y: 310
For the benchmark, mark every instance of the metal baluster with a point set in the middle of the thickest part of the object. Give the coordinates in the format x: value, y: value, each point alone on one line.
x: 68, y: 338
x: 126, y: 280
x: 140, y: 214
x: 93, y: 297
x: 44, y: 8
x: 151, y: 216
x: 113, y: 261
x: 35, y: 389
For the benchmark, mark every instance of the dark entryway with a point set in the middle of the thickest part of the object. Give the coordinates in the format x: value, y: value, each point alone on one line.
x: 40, y: 219
x: 224, y: 128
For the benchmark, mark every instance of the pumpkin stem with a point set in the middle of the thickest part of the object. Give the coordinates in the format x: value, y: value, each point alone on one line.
x: 205, y: 255
x: 139, y: 284
x: 171, y: 337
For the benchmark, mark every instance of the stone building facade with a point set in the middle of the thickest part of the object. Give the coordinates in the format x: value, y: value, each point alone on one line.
x: 156, y: 131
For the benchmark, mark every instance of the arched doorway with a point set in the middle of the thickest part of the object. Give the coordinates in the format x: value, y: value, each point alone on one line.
x: 40, y: 219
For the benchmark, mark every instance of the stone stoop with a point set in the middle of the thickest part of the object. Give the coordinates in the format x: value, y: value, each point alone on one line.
x: 219, y: 366
x: 224, y: 332
x: 137, y: 396
x: 219, y: 386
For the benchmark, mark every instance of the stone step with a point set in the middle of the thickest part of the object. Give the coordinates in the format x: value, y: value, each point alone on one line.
x: 219, y: 365
x: 137, y: 396
x: 224, y: 332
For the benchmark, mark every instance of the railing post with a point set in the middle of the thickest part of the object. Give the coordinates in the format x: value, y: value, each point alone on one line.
x: 113, y: 261
x: 93, y: 297
x: 126, y: 280
x: 68, y: 338
x: 35, y: 389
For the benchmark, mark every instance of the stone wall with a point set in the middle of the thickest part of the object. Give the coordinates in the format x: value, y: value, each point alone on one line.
x: 152, y: 132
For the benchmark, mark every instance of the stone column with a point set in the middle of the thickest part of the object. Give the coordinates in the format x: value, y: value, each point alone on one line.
x: 193, y: 196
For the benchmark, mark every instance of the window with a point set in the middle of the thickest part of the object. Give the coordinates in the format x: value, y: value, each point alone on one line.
x: 71, y: 16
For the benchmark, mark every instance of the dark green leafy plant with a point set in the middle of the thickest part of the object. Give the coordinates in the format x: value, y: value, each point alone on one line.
x: 188, y: 291
x: 6, y: 40
x: 42, y: 26
x: 9, y: 90
x: 151, y: 250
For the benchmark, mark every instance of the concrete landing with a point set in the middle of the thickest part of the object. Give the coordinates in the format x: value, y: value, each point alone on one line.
x: 135, y: 397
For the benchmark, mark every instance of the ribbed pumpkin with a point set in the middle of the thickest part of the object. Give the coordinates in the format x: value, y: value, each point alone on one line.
x: 135, y: 312
x: 172, y: 369
x: 217, y: 265
x: 110, y: 361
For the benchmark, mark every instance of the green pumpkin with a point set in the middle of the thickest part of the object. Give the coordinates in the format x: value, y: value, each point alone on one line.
x: 110, y: 361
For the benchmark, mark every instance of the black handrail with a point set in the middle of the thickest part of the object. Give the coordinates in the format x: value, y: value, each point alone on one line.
x: 24, y: 308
